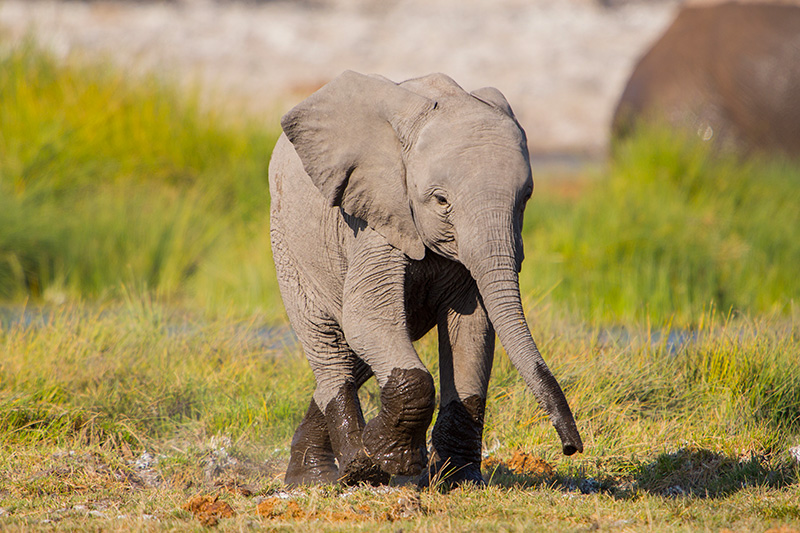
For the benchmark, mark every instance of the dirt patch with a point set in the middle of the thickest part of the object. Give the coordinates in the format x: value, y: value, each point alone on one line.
x: 530, y: 465
x: 208, y: 509
x: 402, y: 504
x: 521, y: 463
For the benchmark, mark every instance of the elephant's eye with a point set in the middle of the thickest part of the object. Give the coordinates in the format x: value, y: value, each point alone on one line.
x: 441, y: 200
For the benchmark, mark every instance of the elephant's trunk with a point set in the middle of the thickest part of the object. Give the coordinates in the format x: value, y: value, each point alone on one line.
x: 494, y: 269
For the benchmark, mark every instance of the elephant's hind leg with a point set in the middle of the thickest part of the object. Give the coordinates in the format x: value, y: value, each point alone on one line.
x: 345, y: 423
x: 330, y: 430
x: 313, y: 459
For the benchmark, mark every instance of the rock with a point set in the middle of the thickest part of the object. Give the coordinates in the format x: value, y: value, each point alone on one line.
x: 795, y: 453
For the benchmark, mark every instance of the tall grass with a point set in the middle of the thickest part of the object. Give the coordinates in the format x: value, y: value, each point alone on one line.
x: 139, y: 374
x: 107, y: 181
x: 673, y: 231
x: 733, y: 387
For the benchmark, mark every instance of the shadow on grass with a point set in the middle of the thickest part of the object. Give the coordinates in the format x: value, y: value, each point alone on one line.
x: 699, y: 472
x: 688, y: 472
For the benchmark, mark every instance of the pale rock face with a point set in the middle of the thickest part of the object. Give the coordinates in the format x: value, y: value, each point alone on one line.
x: 562, y: 64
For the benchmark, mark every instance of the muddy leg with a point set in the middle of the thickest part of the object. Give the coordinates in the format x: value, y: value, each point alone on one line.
x: 456, y: 442
x: 318, y: 442
x: 466, y: 350
x: 395, y: 438
x: 312, y: 458
x: 375, y: 325
x: 345, y: 423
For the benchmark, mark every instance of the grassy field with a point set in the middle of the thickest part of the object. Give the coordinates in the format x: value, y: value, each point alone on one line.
x: 146, y: 361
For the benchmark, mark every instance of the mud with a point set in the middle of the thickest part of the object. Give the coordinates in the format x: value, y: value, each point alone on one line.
x: 345, y: 422
x: 312, y: 459
x: 208, y: 509
x: 395, y: 438
x: 521, y: 463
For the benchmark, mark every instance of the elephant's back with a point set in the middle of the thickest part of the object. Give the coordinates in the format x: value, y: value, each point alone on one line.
x: 288, y: 182
x: 307, y: 234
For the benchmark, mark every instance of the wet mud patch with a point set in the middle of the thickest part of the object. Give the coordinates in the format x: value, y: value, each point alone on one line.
x: 521, y: 467
x: 527, y: 470
x: 208, y: 509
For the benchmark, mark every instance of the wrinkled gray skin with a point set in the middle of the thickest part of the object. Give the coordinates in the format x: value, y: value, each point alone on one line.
x: 729, y: 72
x: 397, y: 208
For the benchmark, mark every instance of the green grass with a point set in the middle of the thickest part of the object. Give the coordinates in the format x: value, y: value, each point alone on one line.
x: 107, y: 182
x: 141, y: 363
x: 671, y: 232
x: 696, y: 436
x: 136, y: 374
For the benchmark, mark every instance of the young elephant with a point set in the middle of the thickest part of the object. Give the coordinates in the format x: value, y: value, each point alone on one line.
x: 397, y: 208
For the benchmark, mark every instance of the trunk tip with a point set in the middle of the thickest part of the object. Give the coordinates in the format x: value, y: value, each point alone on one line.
x: 570, y: 449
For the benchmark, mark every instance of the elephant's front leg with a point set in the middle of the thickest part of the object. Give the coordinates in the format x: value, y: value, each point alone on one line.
x: 466, y: 350
x: 374, y: 324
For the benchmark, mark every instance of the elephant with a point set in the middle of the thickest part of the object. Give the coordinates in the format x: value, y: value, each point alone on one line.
x: 728, y: 71
x: 397, y: 207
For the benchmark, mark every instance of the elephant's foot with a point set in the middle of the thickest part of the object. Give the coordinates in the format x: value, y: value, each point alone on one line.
x: 451, y: 475
x: 345, y: 424
x: 395, y: 438
x: 312, y: 458
x: 361, y: 469
x: 456, y: 443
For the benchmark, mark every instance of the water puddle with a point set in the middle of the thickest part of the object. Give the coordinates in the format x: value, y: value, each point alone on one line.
x: 272, y: 338
x: 279, y: 337
x: 674, y: 341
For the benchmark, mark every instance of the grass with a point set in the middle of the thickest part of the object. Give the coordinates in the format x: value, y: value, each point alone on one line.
x: 671, y: 232
x: 696, y: 436
x: 107, y: 182
x: 145, y: 359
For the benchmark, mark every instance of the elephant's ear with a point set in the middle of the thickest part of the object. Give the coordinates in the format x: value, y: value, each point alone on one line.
x: 350, y: 136
x: 494, y: 98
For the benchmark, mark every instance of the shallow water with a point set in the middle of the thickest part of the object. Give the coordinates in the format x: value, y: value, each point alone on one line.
x: 275, y: 338
x: 674, y: 341
x: 265, y: 337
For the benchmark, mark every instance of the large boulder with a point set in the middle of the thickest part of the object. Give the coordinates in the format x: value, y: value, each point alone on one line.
x: 727, y: 71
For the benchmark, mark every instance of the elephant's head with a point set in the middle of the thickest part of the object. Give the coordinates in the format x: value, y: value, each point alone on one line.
x: 429, y: 165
